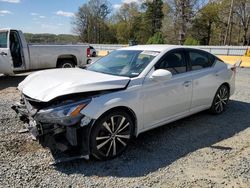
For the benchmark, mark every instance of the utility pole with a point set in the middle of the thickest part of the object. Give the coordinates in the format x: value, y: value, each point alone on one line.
x: 229, y: 23
x: 182, y: 15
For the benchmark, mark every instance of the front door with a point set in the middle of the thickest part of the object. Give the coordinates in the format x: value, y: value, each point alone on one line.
x: 164, y: 100
x: 16, y: 50
x: 6, y: 64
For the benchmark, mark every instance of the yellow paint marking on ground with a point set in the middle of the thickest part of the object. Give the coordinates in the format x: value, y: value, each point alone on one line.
x: 233, y: 59
x: 248, y: 52
x: 102, y: 53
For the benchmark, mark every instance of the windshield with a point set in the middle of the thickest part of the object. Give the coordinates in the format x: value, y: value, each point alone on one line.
x: 3, y: 39
x: 129, y: 63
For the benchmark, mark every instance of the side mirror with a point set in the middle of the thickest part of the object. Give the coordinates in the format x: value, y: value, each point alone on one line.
x: 161, y: 75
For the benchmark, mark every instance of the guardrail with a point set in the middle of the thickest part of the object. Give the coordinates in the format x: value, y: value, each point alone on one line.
x: 225, y: 50
x: 217, y: 50
x: 108, y: 47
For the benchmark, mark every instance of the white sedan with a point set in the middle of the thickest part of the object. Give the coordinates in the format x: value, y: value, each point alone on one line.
x: 97, y: 111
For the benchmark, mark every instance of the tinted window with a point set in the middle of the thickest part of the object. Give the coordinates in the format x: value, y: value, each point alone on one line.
x: 211, y: 58
x: 3, y: 39
x: 173, y: 62
x: 200, y: 60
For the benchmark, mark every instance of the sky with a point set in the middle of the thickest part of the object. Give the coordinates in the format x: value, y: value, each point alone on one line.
x: 43, y: 16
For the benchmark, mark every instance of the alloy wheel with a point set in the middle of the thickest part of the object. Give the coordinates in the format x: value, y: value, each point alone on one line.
x: 221, y: 99
x: 113, y: 136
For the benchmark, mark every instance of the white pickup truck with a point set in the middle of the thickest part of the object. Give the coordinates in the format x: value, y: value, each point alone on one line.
x: 18, y: 56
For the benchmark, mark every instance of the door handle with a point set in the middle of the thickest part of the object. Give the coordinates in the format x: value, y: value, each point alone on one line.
x: 187, y: 83
x: 3, y: 53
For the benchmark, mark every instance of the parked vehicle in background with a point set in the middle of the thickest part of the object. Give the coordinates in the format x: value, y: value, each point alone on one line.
x: 92, y: 51
x: 18, y: 56
x: 121, y: 95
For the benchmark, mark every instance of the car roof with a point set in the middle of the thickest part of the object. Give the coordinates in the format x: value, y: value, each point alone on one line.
x: 159, y: 47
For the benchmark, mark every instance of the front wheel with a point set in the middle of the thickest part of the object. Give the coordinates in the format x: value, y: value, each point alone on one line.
x: 220, y: 100
x: 111, y: 135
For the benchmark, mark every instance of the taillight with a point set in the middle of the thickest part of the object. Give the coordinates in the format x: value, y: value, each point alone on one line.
x: 88, y: 52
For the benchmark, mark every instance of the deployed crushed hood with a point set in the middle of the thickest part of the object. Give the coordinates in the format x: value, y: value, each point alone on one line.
x: 47, y: 85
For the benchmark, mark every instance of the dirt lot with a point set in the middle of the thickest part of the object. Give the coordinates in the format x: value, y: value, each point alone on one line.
x: 199, y: 151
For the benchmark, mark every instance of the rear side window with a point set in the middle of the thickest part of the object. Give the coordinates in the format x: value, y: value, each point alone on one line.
x: 174, y: 62
x: 3, y: 39
x: 200, y: 60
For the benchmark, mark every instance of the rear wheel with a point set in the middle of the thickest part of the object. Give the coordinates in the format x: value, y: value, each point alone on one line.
x: 220, y: 100
x: 89, y: 61
x: 66, y: 64
x: 111, y: 135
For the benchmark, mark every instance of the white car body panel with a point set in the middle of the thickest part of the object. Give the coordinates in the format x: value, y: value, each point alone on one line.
x: 5, y: 56
x: 166, y: 98
x: 45, y: 56
x: 140, y: 107
x: 153, y: 103
x: 47, y: 85
x: 6, y: 68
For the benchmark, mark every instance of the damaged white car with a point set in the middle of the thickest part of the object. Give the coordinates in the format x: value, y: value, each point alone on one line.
x: 97, y: 111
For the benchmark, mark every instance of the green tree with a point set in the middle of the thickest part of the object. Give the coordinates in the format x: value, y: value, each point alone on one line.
x: 191, y: 41
x: 128, y: 22
x: 90, y: 22
x: 202, y: 26
x: 183, y: 12
x: 50, y: 38
x: 156, y: 39
x: 153, y: 15
x: 242, y: 10
x: 169, y: 31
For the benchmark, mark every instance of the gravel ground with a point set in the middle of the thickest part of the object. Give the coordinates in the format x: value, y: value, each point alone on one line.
x: 199, y: 151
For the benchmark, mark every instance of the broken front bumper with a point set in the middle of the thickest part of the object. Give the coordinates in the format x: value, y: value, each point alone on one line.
x: 73, y: 139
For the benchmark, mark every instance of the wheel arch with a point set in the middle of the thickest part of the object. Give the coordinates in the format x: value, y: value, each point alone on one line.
x: 127, y: 110
x: 212, y: 107
x: 64, y: 57
x: 227, y: 85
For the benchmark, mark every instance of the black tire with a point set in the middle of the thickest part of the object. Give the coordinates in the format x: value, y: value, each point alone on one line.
x: 220, y: 100
x: 66, y: 64
x: 89, y: 61
x: 109, y: 140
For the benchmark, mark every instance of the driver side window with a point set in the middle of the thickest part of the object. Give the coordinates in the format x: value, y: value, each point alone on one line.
x: 173, y: 62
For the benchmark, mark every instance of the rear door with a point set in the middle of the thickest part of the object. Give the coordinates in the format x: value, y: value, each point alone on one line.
x: 205, y: 80
x: 6, y: 64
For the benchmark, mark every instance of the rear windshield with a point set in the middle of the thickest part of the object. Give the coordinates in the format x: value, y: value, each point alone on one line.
x: 3, y: 39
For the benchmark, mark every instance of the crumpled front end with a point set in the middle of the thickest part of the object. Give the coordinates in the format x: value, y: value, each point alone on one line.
x: 57, y: 125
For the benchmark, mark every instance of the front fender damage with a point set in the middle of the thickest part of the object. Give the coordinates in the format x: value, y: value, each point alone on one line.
x: 71, y: 141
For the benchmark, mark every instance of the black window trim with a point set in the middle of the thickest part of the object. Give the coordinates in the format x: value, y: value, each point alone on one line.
x: 188, y: 50
x: 181, y: 50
